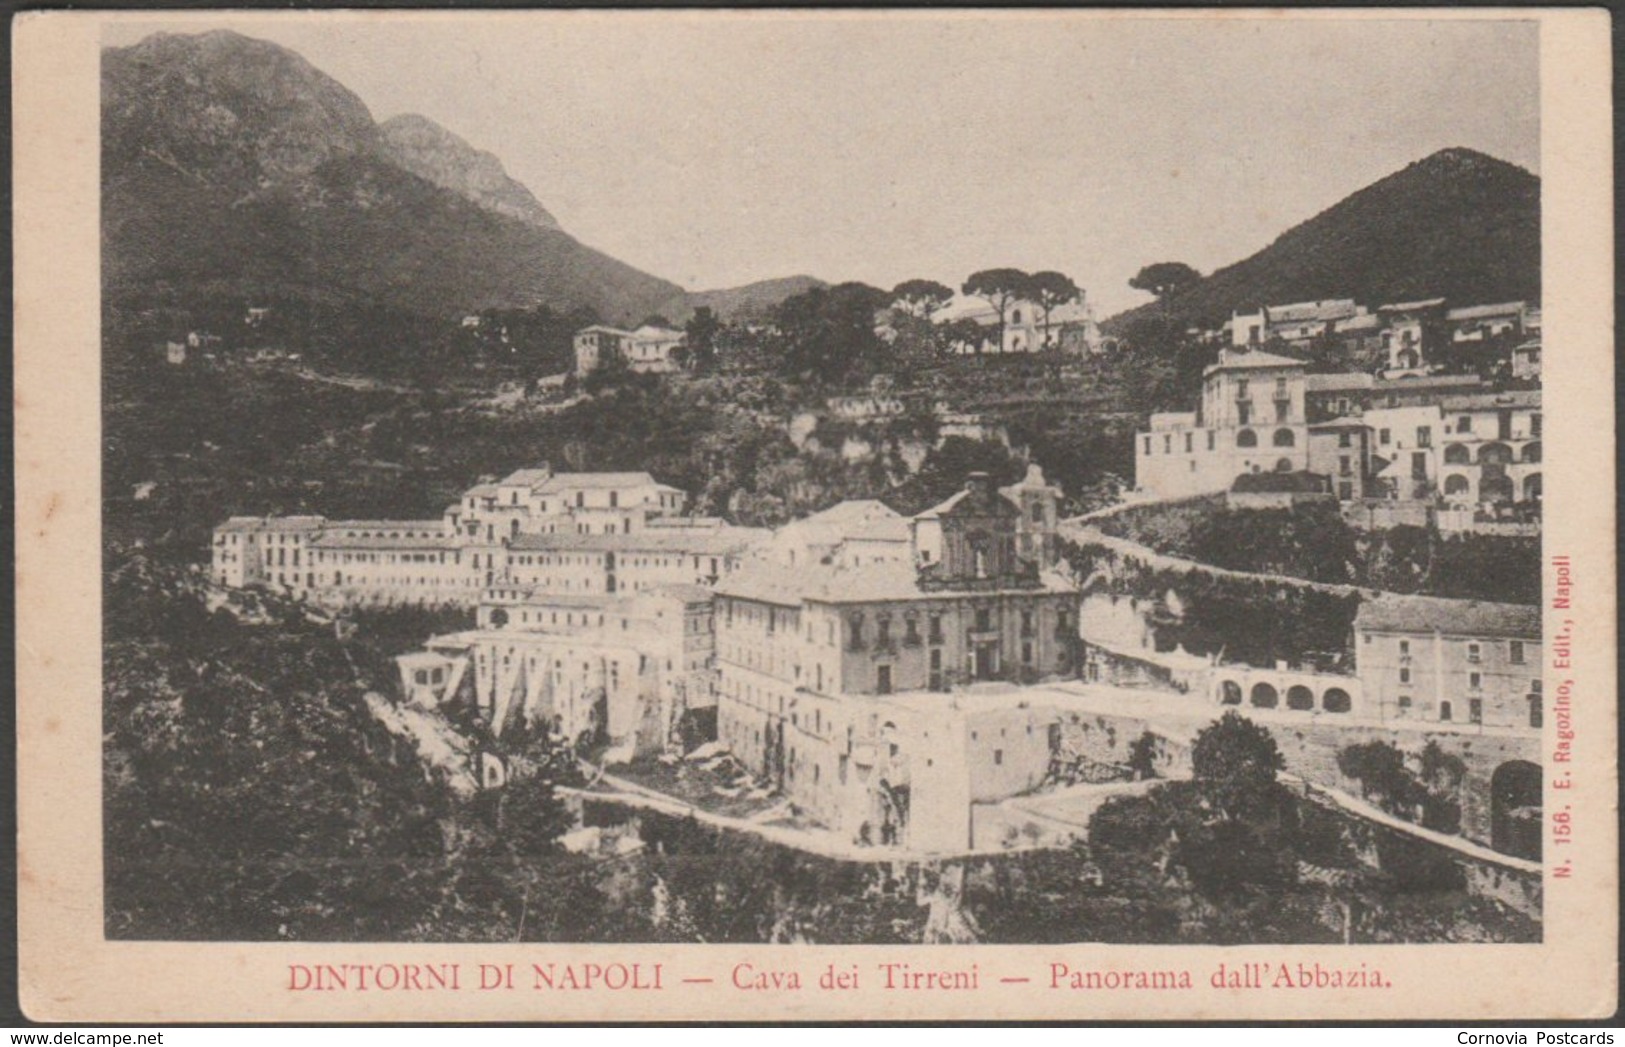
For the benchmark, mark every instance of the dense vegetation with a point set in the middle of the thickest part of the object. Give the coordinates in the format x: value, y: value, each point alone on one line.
x: 1315, y: 543
x: 1231, y: 856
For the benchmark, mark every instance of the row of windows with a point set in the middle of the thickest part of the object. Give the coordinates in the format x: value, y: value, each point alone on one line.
x: 1244, y: 438
x: 1517, y: 651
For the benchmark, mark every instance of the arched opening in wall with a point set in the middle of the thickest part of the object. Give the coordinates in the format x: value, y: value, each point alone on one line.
x: 1284, y: 438
x: 1284, y: 465
x: 1457, y: 454
x: 1494, y: 454
x: 1336, y: 700
x: 1531, y: 487
x: 1515, y: 800
x: 1408, y: 358
x: 1531, y: 451
x: 1497, y: 488
x: 1230, y: 693
x: 1456, y: 483
x: 1246, y: 438
x: 499, y: 618
x: 1300, y: 698
x: 1265, y: 696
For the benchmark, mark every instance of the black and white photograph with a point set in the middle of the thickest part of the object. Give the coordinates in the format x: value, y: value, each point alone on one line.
x: 1101, y: 501
x: 799, y: 479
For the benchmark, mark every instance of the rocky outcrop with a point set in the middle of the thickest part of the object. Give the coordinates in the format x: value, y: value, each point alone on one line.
x: 434, y: 154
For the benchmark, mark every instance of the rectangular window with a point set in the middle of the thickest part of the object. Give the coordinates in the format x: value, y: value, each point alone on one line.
x: 855, y: 632
x: 1210, y: 439
x: 935, y: 632
x: 1475, y: 710
x: 984, y: 620
x: 1475, y: 681
x: 1464, y: 424
x: 1444, y: 711
x: 882, y: 631
x: 998, y: 757
x: 1424, y: 436
x: 1345, y: 466
x: 1345, y: 439
x: 1384, y: 436
x: 911, y: 631
x: 883, y: 680
x: 1026, y: 623
x: 1167, y: 443
x: 1516, y: 652
x: 1188, y: 438
x: 1474, y: 653
x: 1404, y: 674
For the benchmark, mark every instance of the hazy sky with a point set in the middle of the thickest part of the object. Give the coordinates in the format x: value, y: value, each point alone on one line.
x: 718, y: 148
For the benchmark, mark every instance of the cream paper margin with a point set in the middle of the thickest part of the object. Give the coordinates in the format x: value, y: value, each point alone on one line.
x: 69, y: 973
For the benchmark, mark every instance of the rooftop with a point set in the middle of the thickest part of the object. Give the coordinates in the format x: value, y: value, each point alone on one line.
x: 1411, y: 307
x: 1333, y: 383
x: 1235, y: 360
x: 273, y: 523
x: 1300, y: 312
x: 593, y: 482
x: 1479, y: 312
x: 676, y: 540
x: 892, y: 580
x: 1397, y: 613
x: 1491, y: 401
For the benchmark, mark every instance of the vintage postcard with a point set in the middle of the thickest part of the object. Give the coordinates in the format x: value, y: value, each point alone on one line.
x: 812, y: 515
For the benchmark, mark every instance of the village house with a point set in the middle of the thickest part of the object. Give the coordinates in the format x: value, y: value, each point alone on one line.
x: 1451, y: 661
x: 1070, y: 327
x: 1297, y: 323
x: 1479, y: 323
x: 648, y: 349
x: 1419, y: 438
x: 1251, y: 419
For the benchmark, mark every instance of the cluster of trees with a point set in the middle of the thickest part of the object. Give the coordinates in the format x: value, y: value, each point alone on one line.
x: 1315, y: 543
x: 1430, y: 795
x: 1221, y: 858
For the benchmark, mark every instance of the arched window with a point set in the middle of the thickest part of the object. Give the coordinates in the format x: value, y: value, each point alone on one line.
x: 1284, y: 438
x: 1457, y: 454
x: 1531, y: 487
x: 1300, y: 698
x: 1246, y: 438
x: 1265, y: 696
x: 1531, y: 451
x: 1336, y: 700
x: 1456, y: 483
x: 1230, y: 692
x: 1283, y: 465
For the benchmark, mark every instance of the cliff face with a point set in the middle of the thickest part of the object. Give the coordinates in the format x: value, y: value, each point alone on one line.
x: 431, y: 152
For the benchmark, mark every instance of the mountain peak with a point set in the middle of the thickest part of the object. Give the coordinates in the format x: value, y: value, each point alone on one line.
x: 440, y: 157
x: 233, y: 108
x: 1457, y: 223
